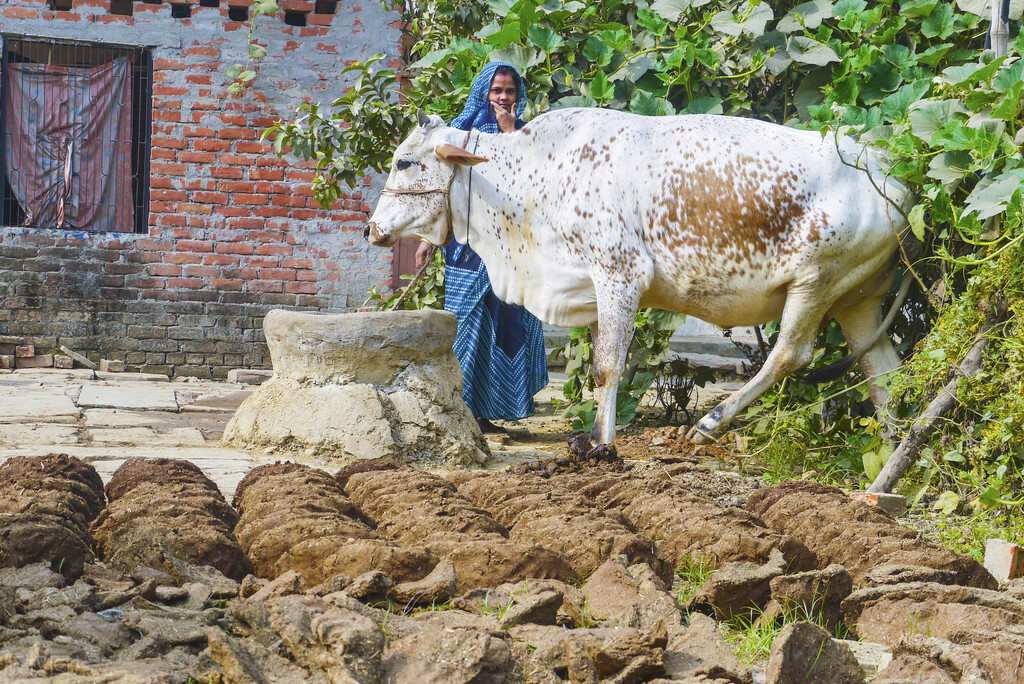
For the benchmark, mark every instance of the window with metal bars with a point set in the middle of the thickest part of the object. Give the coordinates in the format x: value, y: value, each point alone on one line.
x: 75, y: 122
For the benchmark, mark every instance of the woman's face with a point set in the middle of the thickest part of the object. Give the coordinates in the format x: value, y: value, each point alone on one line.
x: 503, y: 92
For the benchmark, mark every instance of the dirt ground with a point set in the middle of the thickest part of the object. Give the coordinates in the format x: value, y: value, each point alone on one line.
x: 574, y: 566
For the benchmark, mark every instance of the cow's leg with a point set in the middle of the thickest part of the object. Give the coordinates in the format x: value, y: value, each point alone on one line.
x: 859, y: 323
x: 616, y: 311
x: 793, y: 350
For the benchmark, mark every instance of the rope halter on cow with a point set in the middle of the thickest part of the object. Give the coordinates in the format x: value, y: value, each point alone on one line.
x: 446, y: 191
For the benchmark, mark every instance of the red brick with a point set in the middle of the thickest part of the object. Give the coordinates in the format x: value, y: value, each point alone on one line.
x: 184, y: 258
x: 169, y: 65
x: 167, y: 115
x: 199, y: 79
x: 220, y: 260
x: 190, y: 157
x: 236, y: 159
x: 208, y: 145
x: 164, y: 270
x: 267, y: 174
x: 168, y: 91
x: 282, y: 250
x: 236, y: 186
x: 199, y: 209
x: 164, y: 155
x: 273, y: 188
x: 233, y: 119
x: 169, y: 143
x: 237, y: 134
x: 288, y: 201
x: 114, y: 19
x: 278, y: 273
x: 194, y: 246
x: 272, y: 212
x: 300, y: 288
x: 233, y: 211
x: 163, y: 207
x: 234, y: 248
x: 202, y: 51
x: 20, y: 13
x: 296, y: 263
x: 184, y: 283
x: 168, y: 169
x: 266, y: 286
x: 162, y: 182
x: 224, y: 284
x: 211, y: 197
x: 199, y: 271
x: 1005, y: 560
x: 168, y: 195
x: 246, y: 223
x: 229, y: 172
x: 199, y: 132
x: 154, y: 245
x: 260, y: 147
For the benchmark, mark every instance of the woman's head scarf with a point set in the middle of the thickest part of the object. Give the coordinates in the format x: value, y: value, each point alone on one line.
x: 478, y: 112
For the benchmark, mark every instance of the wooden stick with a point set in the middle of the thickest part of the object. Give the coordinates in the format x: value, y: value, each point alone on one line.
x: 912, y: 442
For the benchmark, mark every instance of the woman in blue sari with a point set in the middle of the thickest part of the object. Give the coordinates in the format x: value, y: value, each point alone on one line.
x: 500, y: 346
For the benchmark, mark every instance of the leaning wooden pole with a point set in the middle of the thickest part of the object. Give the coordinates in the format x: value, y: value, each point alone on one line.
x: 911, y: 445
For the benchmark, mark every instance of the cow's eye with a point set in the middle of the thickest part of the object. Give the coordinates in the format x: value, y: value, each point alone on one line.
x: 403, y: 164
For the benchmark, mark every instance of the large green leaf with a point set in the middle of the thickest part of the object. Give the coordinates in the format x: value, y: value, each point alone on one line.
x: 896, y: 106
x: 704, y: 105
x: 544, y: 38
x: 646, y: 105
x: 672, y: 10
x: 949, y: 167
x: 809, y: 51
x: 928, y: 116
x: 810, y: 14
x: 990, y: 198
x: 601, y: 88
x: 597, y: 52
x: 938, y: 24
x: 751, y: 20
x: 1009, y: 77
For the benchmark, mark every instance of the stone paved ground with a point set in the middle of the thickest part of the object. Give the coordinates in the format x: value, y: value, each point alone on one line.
x: 106, y: 418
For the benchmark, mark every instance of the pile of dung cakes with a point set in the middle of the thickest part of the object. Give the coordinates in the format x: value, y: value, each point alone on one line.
x: 46, y: 506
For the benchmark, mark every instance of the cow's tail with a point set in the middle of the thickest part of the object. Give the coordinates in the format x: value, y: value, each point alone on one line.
x: 838, y: 368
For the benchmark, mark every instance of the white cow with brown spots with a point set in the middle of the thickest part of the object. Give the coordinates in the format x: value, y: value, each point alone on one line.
x: 585, y: 215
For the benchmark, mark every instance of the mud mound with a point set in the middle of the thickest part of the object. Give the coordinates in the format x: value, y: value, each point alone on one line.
x: 855, y: 535
x: 415, y: 507
x: 136, y: 471
x: 544, y: 514
x: 293, y: 517
x: 686, y: 525
x: 46, y: 505
x: 166, y: 508
x: 581, y: 456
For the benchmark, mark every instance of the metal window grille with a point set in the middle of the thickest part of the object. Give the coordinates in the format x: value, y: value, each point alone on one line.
x: 75, y: 123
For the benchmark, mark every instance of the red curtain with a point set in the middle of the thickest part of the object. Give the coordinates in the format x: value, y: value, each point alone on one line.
x: 68, y: 150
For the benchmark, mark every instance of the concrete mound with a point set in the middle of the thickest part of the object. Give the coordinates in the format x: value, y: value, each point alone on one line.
x: 361, y: 385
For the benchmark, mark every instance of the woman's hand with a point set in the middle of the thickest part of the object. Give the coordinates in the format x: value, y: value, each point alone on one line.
x: 506, y: 118
x: 423, y: 253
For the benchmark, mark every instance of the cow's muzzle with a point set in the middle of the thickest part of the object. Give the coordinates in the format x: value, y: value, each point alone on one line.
x: 366, y: 232
x: 373, y: 234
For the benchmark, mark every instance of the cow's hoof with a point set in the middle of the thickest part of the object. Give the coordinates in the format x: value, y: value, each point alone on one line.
x: 699, y: 435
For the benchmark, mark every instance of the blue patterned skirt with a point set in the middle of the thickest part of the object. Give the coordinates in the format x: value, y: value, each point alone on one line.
x: 500, y: 346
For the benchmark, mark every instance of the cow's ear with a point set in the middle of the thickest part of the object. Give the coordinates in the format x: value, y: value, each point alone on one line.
x: 421, y: 116
x: 457, y: 155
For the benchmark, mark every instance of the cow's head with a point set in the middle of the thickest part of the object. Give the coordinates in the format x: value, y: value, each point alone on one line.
x: 414, y: 202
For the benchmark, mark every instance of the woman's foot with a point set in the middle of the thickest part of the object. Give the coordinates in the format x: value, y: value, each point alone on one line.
x: 489, y: 428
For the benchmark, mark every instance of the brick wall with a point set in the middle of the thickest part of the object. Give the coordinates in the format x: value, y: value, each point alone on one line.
x: 233, y: 230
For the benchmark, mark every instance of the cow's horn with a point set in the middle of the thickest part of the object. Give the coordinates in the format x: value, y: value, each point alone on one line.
x: 421, y: 116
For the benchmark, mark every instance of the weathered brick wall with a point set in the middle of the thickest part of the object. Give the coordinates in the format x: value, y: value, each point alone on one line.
x: 233, y: 230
